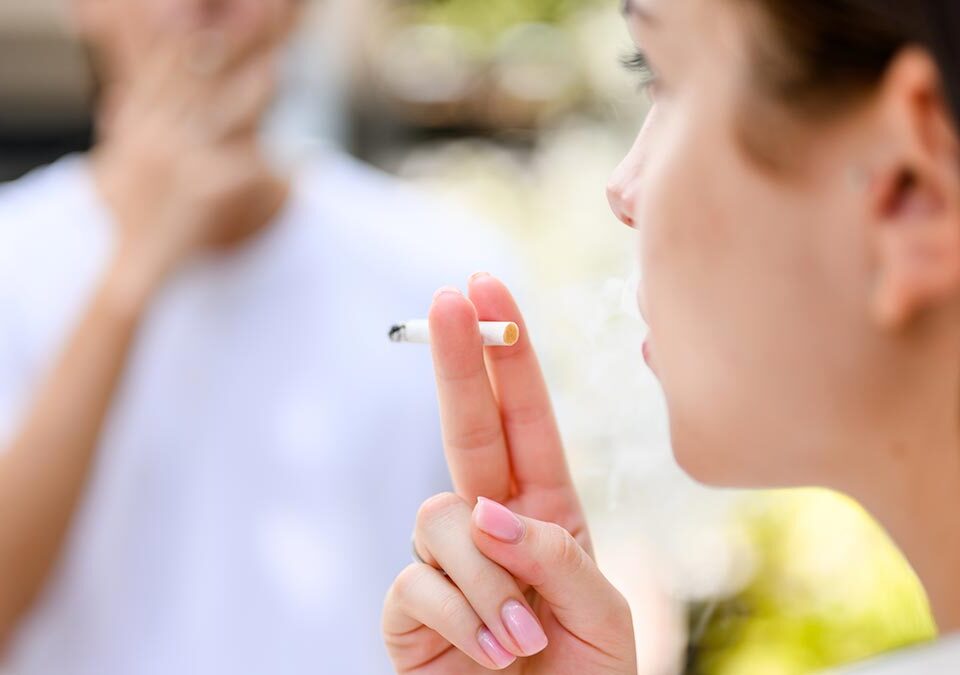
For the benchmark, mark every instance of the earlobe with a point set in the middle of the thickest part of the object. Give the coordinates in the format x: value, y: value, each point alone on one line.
x: 917, y: 241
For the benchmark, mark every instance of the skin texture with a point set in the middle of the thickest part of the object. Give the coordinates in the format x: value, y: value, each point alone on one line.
x: 180, y: 173
x: 804, y: 323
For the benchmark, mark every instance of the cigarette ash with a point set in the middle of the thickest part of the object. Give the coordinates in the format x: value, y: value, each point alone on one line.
x: 396, y: 333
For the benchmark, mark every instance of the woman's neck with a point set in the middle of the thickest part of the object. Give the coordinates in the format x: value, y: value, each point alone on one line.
x: 914, y: 491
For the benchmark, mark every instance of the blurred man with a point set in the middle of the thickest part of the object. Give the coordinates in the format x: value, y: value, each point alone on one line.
x: 211, y: 450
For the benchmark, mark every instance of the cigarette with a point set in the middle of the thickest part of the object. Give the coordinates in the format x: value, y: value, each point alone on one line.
x: 494, y: 333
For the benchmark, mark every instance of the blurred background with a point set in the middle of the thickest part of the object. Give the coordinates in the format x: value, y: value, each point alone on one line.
x: 518, y: 110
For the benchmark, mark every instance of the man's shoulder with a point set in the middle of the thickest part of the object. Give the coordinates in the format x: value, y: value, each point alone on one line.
x: 50, y: 220
x: 48, y: 199
x: 45, y: 185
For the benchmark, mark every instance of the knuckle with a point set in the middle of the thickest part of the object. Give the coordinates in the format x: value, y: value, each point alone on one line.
x: 490, y: 580
x: 437, y: 509
x: 525, y: 416
x: 475, y: 437
x: 405, y: 585
x: 565, y: 551
x: 620, y: 613
x: 536, y: 572
x: 453, y: 609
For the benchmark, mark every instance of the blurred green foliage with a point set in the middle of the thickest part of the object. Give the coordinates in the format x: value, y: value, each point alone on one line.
x: 830, y: 589
x: 490, y: 18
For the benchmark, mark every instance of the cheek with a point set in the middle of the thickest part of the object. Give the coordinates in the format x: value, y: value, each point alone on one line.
x: 693, y: 255
x: 755, y: 293
x: 682, y: 217
x: 723, y: 280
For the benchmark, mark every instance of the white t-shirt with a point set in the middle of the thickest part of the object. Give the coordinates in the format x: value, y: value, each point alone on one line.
x: 255, y: 488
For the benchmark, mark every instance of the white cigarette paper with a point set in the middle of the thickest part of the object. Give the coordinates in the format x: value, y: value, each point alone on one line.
x: 494, y: 333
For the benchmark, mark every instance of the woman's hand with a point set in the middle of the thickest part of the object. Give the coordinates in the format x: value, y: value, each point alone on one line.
x: 178, y: 167
x: 508, y: 579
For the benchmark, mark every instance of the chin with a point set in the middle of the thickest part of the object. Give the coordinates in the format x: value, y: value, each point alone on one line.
x: 696, y: 466
x: 718, y: 464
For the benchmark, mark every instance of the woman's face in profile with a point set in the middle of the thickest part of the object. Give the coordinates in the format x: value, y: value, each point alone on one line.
x: 756, y: 277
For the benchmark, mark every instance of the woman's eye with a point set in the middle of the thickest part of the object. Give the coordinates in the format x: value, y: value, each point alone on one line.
x: 637, y: 62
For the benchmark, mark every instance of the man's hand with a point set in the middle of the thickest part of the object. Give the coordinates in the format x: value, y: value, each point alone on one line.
x: 179, y: 165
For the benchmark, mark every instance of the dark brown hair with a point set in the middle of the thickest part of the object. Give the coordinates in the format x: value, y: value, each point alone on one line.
x: 816, y: 56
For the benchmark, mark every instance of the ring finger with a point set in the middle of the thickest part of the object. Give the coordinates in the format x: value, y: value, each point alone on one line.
x: 422, y: 596
x: 443, y: 538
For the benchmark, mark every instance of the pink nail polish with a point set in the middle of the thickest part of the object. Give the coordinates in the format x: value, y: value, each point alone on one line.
x: 524, y: 627
x: 493, y: 649
x: 497, y: 521
x: 446, y: 289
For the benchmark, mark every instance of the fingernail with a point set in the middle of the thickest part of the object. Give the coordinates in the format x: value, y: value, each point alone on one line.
x: 497, y: 521
x: 479, y: 275
x: 524, y: 628
x: 493, y: 649
x: 445, y: 290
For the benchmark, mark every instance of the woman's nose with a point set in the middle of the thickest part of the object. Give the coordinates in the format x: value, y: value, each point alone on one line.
x: 617, y: 192
x: 623, y: 190
x: 624, y: 186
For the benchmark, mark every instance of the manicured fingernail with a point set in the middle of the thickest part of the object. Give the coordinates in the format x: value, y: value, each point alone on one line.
x: 524, y: 628
x: 497, y: 521
x: 445, y: 290
x: 493, y: 649
x: 479, y: 275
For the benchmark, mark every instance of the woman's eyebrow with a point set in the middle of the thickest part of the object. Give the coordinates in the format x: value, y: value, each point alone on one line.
x: 633, y: 8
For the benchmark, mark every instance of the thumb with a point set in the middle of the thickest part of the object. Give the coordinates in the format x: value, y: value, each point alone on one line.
x: 548, y: 558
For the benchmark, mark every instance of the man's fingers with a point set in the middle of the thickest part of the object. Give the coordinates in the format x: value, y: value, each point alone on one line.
x: 159, y: 76
x: 249, y: 92
x: 536, y: 449
x: 247, y: 34
x: 548, y: 558
x: 422, y: 597
x: 472, y: 435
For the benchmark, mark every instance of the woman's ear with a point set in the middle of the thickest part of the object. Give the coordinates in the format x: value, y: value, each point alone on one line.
x: 915, y: 200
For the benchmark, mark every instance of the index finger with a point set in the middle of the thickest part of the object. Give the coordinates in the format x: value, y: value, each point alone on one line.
x: 473, y: 438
